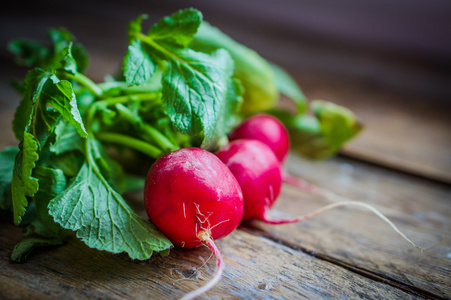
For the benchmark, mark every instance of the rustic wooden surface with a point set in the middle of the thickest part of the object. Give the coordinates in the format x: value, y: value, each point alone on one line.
x: 401, y: 164
x: 345, y: 253
x: 402, y: 131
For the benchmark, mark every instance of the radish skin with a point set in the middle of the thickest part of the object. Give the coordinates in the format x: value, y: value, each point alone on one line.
x: 194, y: 199
x: 189, y: 191
x: 270, y: 131
x: 257, y: 171
x: 253, y: 163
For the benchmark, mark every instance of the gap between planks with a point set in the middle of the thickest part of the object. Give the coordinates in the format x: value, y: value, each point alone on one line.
x: 413, y: 290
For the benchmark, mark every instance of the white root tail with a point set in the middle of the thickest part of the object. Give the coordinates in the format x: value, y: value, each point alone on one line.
x: 369, y: 207
x: 216, y: 277
x: 339, y: 201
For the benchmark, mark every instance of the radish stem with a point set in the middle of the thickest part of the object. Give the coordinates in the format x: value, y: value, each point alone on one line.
x: 303, y: 185
x: 216, y: 277
x: 269, y: 220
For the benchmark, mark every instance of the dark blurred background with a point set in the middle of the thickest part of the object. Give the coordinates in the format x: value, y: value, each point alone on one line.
x: 404, y: 45
x: 388, y: 61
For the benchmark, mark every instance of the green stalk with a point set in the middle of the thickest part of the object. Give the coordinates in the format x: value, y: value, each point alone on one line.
x: 106, y: 86
x: 151, y: 96
x: 153, y: 134
x: 86, y: 82
x: 159, y: 138
x: 130, y: 142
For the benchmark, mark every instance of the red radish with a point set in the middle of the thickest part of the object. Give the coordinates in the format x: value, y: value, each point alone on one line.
x: 270, y: 131
x: 194, y: 199
x: 266, y: 129
x: 257, y: 170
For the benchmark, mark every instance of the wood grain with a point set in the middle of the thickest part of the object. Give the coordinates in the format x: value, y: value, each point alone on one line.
x: 345, y: 253
x: 420, y: 208
x: 255, y: 267
x: 341, y: 254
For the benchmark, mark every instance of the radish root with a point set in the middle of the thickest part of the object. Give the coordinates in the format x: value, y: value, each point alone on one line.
x: 216, y: 277
x: 303, y: 185
x: 339, y: 201
x: 365, y: 205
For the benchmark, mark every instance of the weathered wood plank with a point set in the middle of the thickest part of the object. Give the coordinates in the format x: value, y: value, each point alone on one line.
x: 402, y: 131
x: 255, y: 268
x: 420, y: 208
x: 429, y: 271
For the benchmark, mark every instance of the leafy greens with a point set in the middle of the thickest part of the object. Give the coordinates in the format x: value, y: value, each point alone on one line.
x: 184, y: 84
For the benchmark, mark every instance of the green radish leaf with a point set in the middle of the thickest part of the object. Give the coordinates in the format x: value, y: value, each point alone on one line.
x: 24, y: 247
x: 68, y: 61
x: 46, y: 99
x: 22, y: 115
x: 288, y: 87
x: 138, y: 65
x: 48, y: 57
x: 34, y: 81
x: 254, y: 72
x: 178, y: 29
x: 194, y: 84
x: 134, y: 182
x: 34, y: 114
x: 66, y: 139
x: 69, y: 162
x: 195, y: 90
x: 7, y: 157
x: 110, y: 170
x: 61, y: 39
x: 59, y: 95
x: 338, y: 124
x: 102, y: 219
x: 229, y: 118
x: 23, y: 184
x: 51, y: 183
x: 135, y: 28
x: 320, y: 136
x: 30, y: 53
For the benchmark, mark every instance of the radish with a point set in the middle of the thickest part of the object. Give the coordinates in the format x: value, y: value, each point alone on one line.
x: 258, y: 172
x: 194, y: 199
x: 266, y: 129
x: 270, y: 131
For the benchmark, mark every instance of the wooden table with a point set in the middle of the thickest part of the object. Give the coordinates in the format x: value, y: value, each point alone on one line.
x: 401, y: 164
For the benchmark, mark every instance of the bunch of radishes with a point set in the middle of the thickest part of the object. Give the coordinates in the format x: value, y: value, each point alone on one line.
x: 195, y: 197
